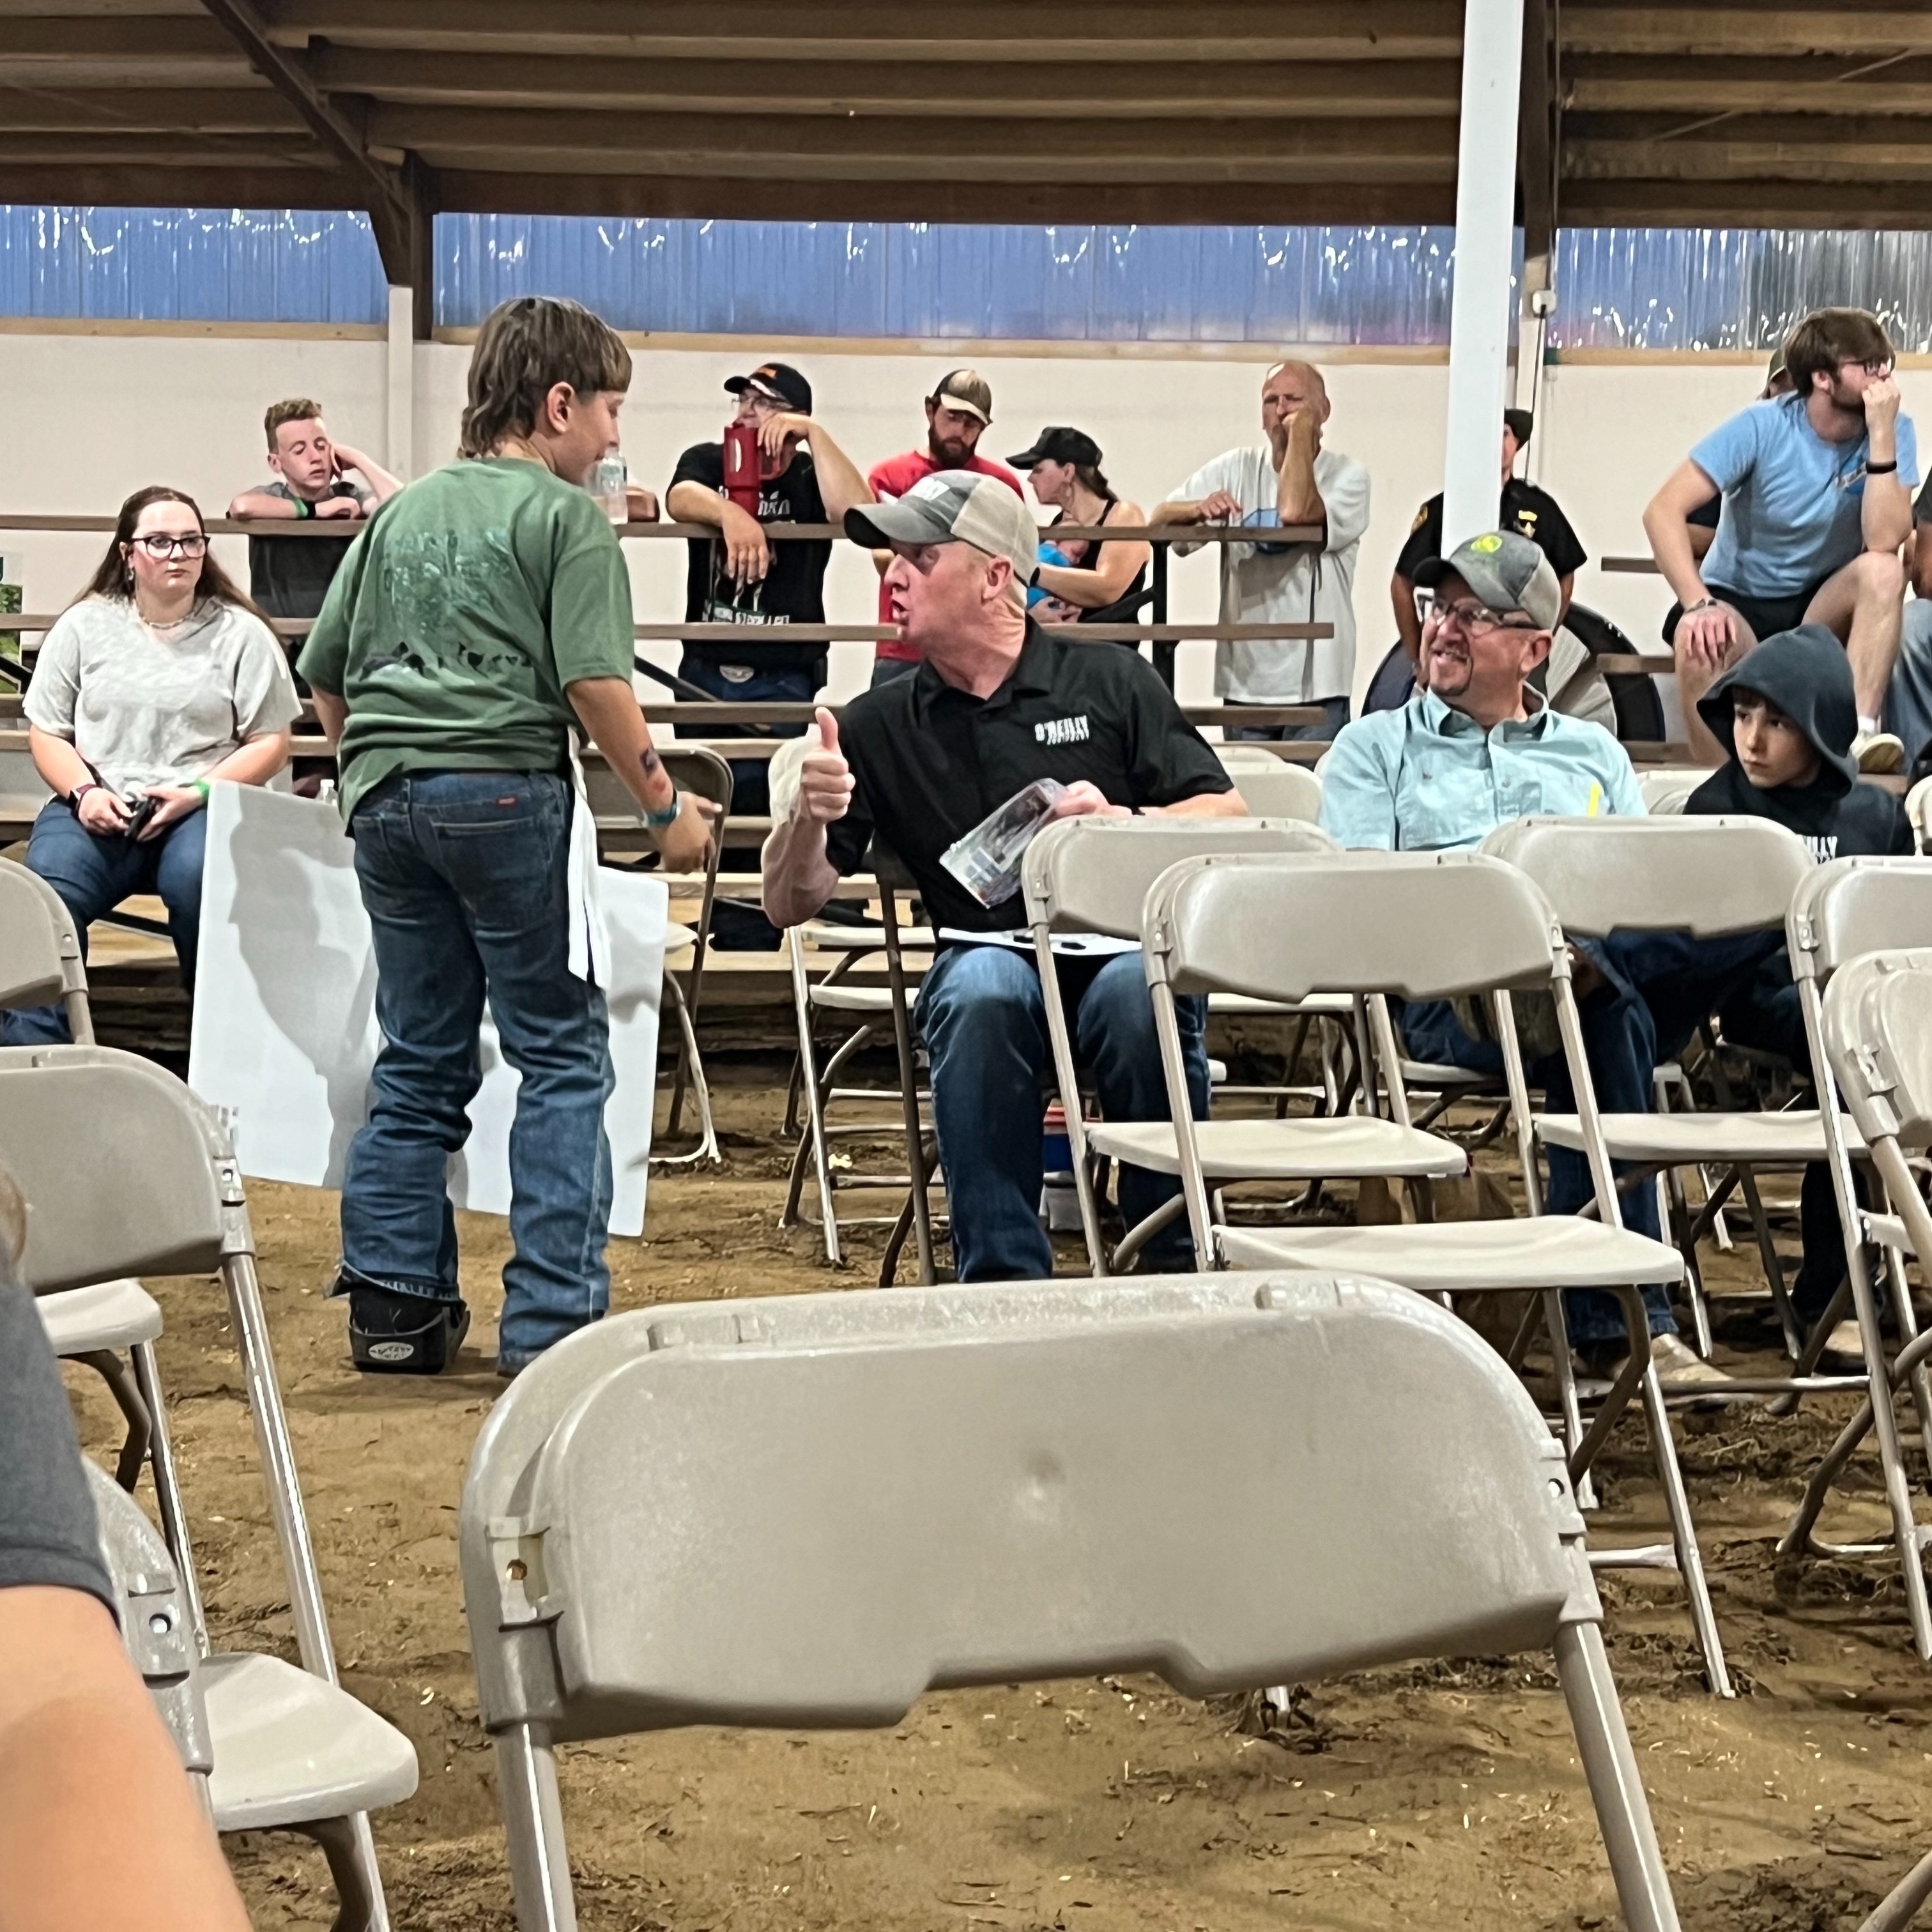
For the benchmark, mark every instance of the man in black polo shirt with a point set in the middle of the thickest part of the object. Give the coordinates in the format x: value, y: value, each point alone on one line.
x: 996, y: 704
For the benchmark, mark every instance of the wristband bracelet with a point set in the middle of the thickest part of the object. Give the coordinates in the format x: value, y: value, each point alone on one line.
x: 201, y: 786
x: 1702, y: 604
x: 80, y: 791
x: 304, y: 508
x: 1881, y: 469
x: 658, y: 820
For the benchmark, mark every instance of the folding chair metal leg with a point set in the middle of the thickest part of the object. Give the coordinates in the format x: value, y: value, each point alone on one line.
x: 1682, y: 1225
x: 357, y: 1910
x: 700, y: 1091
x: 113, y: 1371
x: 1767, y: 1249
x: 1683, y: 1534
x: 278, y: 1475
x: 533, y: 1823
x: 1616, y: 1779
x: 815, y: 1109
x: 1899, y: 1905
x: 915, y: 1137
x: 167, y: 1490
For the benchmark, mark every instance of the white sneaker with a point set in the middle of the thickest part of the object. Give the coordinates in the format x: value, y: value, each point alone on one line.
x: 1844, y: 1351
x: 1879, y: 751
x: 1677, y: 1367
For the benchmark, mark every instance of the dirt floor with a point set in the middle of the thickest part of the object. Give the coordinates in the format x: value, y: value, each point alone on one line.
x: 1429, y: 1798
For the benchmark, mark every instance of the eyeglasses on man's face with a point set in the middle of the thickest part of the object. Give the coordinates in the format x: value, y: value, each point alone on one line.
x: 1465, y: 612
x: 159, y: 544
x: 1874, y: 365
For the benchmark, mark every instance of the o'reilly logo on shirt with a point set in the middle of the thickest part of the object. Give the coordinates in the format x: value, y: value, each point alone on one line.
x: 1063, y: 731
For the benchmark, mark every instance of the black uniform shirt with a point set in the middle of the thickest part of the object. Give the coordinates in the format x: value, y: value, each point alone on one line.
x: 932, y: 761
x: 1530, y: 511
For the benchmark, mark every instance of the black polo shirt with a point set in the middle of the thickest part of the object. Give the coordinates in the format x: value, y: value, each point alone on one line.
x: 932, y: 761
x: 1530, y: 511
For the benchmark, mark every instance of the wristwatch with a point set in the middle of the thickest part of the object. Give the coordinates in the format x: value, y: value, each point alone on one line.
x: 658, y: 820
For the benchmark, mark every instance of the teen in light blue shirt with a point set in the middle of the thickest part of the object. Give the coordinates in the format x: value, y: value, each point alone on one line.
x: 1793, y: 502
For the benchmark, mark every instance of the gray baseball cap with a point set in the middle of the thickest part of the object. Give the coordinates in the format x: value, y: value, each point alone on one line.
x: 1507, y: 571
x: 954, y: 506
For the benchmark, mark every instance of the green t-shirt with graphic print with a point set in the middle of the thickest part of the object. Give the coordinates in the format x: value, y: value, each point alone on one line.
x: 458, y: 617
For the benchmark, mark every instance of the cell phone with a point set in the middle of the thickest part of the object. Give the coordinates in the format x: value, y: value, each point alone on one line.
x: 139, y: 810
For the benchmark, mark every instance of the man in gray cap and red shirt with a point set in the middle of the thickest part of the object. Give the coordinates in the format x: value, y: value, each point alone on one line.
x: 996, y: 704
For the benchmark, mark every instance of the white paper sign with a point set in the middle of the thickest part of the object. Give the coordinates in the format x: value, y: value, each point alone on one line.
x: 285, y: 1034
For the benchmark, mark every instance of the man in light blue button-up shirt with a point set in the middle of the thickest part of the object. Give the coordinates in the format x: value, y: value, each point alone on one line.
x: 1474, y: 749
x: 1467, y: 752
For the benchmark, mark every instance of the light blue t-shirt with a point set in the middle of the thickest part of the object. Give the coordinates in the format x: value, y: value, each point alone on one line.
x: 1423, y: 778
x: 1792, y: 500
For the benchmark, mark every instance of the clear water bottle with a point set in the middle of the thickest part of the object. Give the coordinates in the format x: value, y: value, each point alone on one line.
x: 607, y: 482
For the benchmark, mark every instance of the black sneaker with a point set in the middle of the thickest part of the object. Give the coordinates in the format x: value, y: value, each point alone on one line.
x: 403, y: 1334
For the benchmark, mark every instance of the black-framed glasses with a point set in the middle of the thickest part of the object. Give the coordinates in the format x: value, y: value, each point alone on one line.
x: 1467, y: 612
x: 158, y: 545
x: 1873, y: 365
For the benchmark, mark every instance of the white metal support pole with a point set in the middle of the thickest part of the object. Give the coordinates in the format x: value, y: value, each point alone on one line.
x: 1479, y: 311
x: 400, y: 450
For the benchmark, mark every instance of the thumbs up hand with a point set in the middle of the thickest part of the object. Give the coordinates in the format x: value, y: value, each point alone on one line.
x: 825, y: 779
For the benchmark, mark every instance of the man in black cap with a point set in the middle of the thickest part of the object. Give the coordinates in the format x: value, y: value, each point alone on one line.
x: 1529, y: 511
x: 997, y: 704
x: 738, y: 578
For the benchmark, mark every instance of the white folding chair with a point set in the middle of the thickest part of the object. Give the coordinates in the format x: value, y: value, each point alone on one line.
x: 1425, y: 926
x: 881, y: 1496
x: 1091, y: 877
x: 40, y: 965
x: 1664, y: 793
x: 305, y: 1752
x: 1846, y: 909
x: 1916, y: 800
x: 1275, y: 789
x: 1712, y: 878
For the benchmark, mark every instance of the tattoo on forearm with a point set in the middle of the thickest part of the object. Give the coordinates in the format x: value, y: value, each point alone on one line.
x: 650, y: 764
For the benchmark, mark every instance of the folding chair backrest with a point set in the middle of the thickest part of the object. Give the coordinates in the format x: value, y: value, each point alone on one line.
x: 1278, y: 790
x: 1092, y: 874
x: 1664, y: 792
x: 1424, y: 925
x: 116, y: 1160
x: 1707, y: 876
x: 39, y: 947
x: 155, y: 1626
x: 1851, y: 906
x: 1878, y: 1038
x: 692, y: 768
x: 815, y: 1531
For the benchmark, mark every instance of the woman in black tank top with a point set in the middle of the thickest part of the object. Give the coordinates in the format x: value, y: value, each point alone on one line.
x: 1105, y: 586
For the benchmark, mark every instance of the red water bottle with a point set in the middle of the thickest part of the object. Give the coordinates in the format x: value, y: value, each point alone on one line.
x: 742, y: 466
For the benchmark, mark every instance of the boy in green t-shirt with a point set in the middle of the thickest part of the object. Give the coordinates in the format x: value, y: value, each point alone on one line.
x: 483, y: 615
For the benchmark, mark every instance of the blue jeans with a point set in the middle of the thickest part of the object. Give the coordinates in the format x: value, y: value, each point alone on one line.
x: 984, y: 1018
x: 463, y: 876
x: 93, y: 875
x: 1658, y: 989
x: 1334, y: 716
x: 1908, y: 701
x: 751, y: 778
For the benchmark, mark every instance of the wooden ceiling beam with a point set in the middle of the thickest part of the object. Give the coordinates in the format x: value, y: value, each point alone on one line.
x: 1692, y: 29
x: 1002, y: 87
x: 117, y: 181
x: 772, y: 199
x: 36, y: 110
x: 687, y: 143
x: 1745, y: 204
x: 1849, y: 168
x: 965, y: 31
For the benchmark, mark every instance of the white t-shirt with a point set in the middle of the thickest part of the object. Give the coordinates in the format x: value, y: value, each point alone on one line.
x: 1296, y: 586
x: 145, y: 711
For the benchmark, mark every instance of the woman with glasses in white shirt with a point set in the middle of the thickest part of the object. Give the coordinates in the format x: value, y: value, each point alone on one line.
x: 160, y: 678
